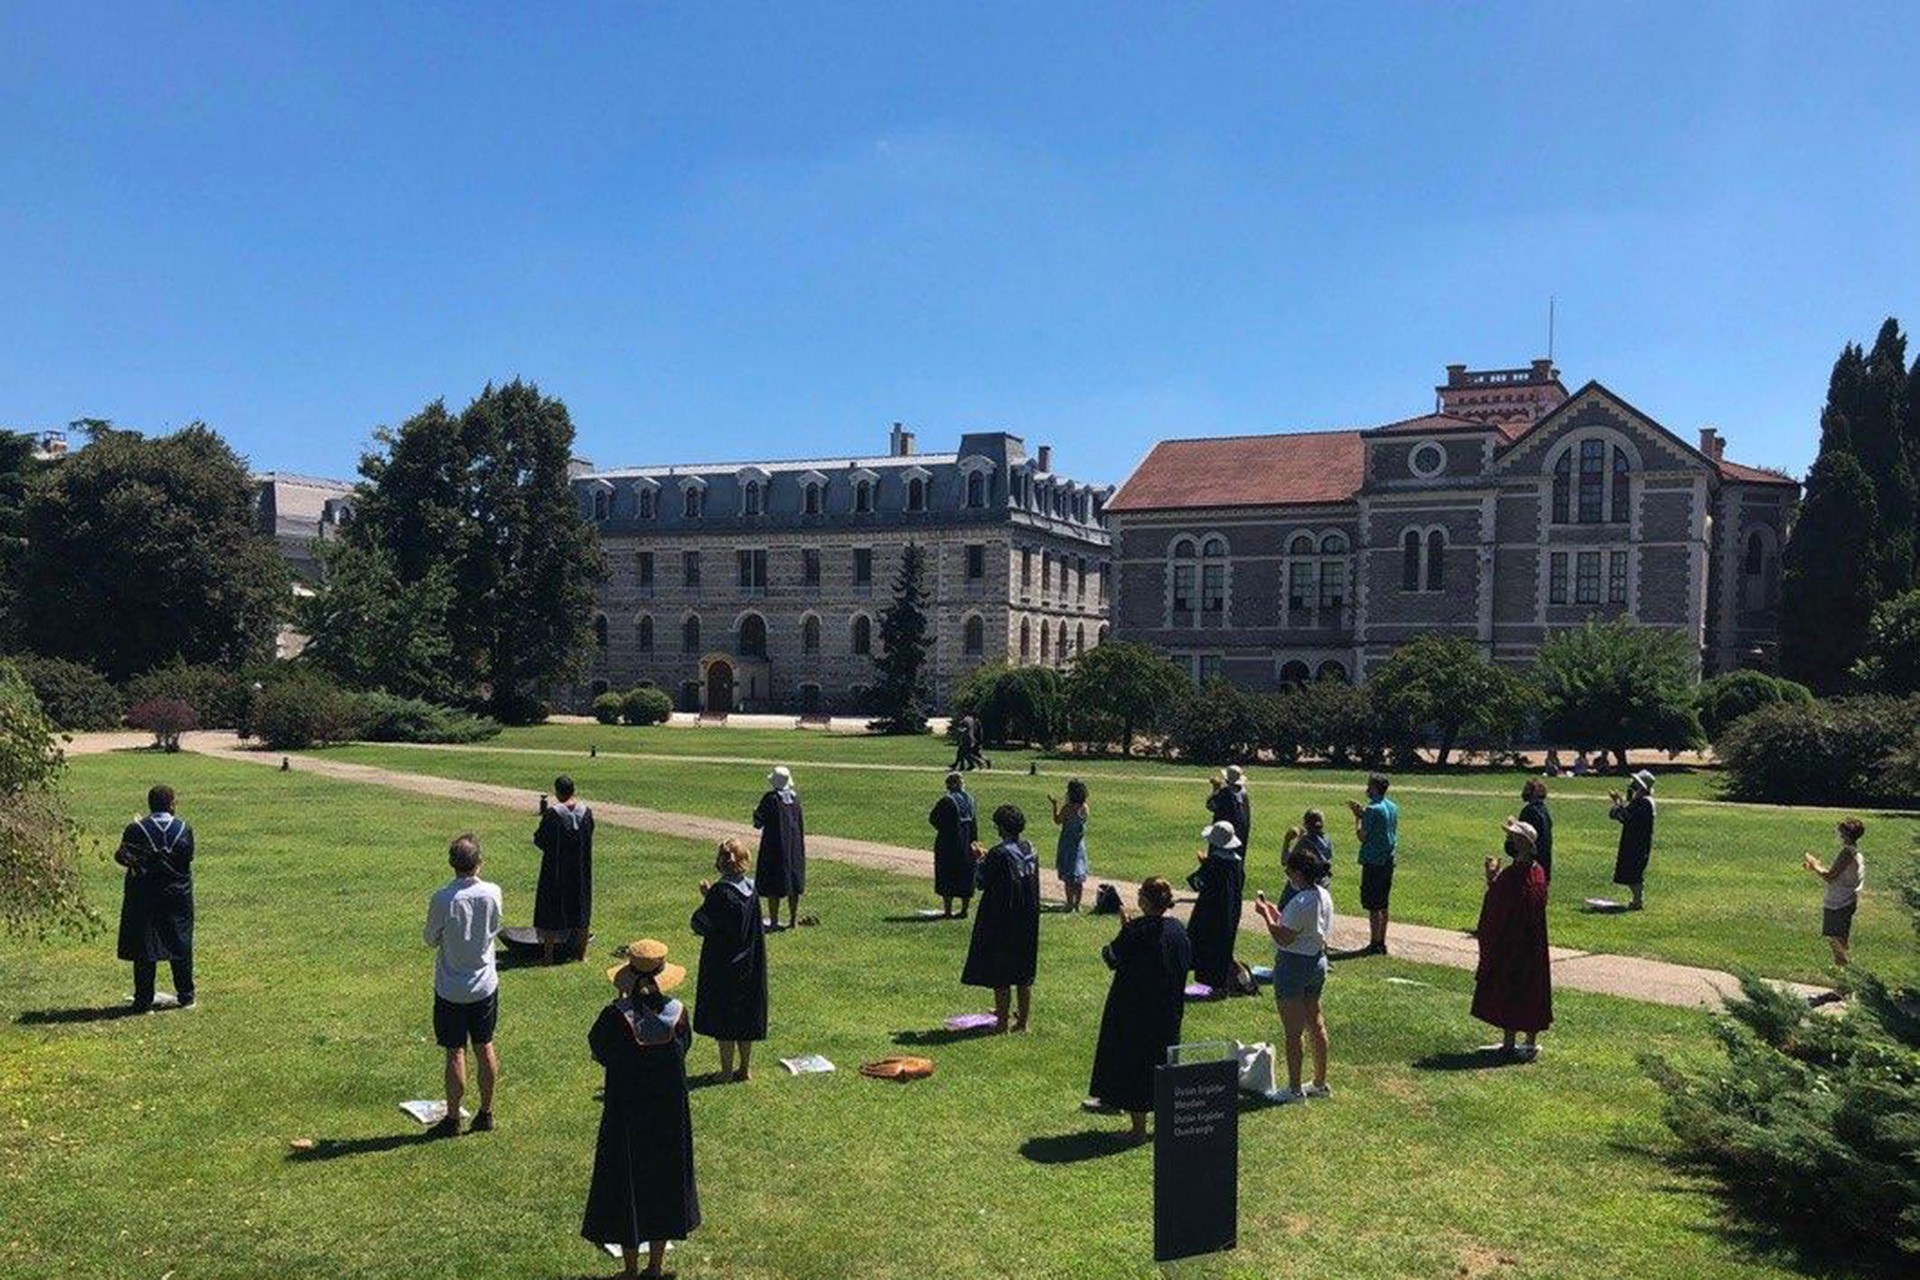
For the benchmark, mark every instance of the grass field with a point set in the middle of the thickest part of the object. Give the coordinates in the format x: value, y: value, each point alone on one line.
x: 1726, y: 887
x: 159, y: 1146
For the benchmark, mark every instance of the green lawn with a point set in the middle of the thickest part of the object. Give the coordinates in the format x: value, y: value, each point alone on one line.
x: 1726, y: 886
x: 159, y: 1145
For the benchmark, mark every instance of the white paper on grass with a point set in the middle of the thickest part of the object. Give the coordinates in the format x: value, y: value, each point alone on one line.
x: 1408, y: 982
x: 810, y: 1064
x: 929, y: 913
x: 430, y: 1111
x: 614, y: 1249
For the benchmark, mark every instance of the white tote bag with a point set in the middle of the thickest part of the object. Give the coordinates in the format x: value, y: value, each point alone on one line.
x: 1256, y: 1069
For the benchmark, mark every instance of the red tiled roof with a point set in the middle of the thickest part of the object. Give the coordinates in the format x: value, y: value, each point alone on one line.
x: 1428, y: 423
x: 1305, y: 468
x: 1753, y: 475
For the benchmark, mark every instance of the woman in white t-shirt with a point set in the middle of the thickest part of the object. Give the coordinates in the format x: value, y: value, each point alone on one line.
x: 1300, y: 969
x: 1844, y: 878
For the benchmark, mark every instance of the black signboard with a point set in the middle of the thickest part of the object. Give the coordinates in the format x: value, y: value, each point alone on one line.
x: 1196, y: 1158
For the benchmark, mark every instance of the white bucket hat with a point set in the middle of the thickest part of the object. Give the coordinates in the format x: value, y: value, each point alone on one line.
x: 781, y: 778
x: 1235, y: 773
x: 1221, y: 835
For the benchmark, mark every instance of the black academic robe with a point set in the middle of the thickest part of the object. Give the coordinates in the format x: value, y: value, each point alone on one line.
x: 1005, y: 948
x: 1242, y: 818
x: 642, y: 1185
x: 156, y: 904
x: 1534, y: 813
x: 563, y: 901
x: 780, y: 870
x: 730, y: 998
x: 1145, y: 1003
x: 1220, y: 882
x: 955, y: 829
x: 1636, y: 840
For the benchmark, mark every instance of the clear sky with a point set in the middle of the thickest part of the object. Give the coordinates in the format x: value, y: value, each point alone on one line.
x: 726, y: 231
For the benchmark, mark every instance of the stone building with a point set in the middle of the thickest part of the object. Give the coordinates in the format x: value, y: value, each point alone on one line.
x: 1512, y: 510
x: 300, y: 512
x: 758, y: 586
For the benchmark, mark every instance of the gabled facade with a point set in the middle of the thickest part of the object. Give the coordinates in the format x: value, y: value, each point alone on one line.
x: 1513, y: 510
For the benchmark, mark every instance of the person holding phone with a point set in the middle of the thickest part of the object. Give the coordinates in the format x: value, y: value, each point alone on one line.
x: 1070, y: 852
x: 1299, y: 932
x: 1844, y: 878
x: 1513, y: 985
x: 1145, y: 1005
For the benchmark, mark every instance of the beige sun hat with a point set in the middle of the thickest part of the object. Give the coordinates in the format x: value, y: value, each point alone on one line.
x: 781, y: 778
x: 1524, y: 831
x: 1235, y: 773
x: 646, y: 958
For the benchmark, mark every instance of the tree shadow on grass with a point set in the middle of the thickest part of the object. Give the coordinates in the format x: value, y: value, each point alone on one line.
x: 62, y: 1017
x: 335, y: 1148
x: 1466, y: 1060
x: 1072, y: 1148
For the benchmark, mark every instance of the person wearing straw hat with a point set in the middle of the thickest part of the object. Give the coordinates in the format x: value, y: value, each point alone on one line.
x: 1220, y: 880
x: 781, y: 869
x: 1004, y: 951
x: 1513, y: 985
x: 730, y: 1000
x: 643, y: 1186
x: 1635, y: 815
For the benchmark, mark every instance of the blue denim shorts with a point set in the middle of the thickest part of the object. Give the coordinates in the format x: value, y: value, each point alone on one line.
x: 1295, y: 975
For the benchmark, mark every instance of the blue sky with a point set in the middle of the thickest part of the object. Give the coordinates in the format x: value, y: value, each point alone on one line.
x: 762, y: 230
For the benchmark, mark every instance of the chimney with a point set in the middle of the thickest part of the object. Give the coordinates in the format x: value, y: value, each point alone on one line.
x: 1711, y: 443
x: 1543, y: 371
x: 1045, y: 460
x: 900, y: 442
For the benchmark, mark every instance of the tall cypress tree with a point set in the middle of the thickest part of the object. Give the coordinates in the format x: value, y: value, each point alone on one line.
x: 1878, y: 440
x: 1829, y: 584
x: 900, y: 694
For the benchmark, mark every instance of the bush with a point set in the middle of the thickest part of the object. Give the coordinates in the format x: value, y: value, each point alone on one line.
x: 165, y: 718
x: 1326, y: 719
x: 73, y: 695
x: 644, y: 706
x: 607, y: 707
x: 304, y: 711
x: 1726, y: 698
x: 1845, y: 751
x: 218, y: 696
x: 386, y: 717
x: 1014, y: 704
x: 41, y: 886
x: 1217, y: 724
x: 1890, y: 661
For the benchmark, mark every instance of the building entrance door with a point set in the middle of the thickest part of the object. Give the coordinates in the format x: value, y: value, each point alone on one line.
x: 719, y: 686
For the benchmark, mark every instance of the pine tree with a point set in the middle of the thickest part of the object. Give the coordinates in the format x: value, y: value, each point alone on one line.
x: 1829, y: 585
x: 900, y: 695
x: 1876, y: 430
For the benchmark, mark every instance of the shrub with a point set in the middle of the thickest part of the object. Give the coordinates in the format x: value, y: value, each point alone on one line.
x: 607, y: 707
x: 1725, y: 698
x: 165, y: 718
x: 1217, y: 723
x: 1443, y: 688
x: 1014, y: 704
x: 1890, y: 662
x: 41, y: 886
x: 305, y: 711
x: 1117, y: 689
x: 644, y: 706
x: 1325, y: 719
x: 73, y: 695
x: 218, y: 696
x: 1840, y: 752
x: 386, y: 717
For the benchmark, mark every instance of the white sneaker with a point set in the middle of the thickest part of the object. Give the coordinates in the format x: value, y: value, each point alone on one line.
x: 1316, y: 1091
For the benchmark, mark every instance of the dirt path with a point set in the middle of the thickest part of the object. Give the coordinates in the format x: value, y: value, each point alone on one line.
x: 1655, y: 981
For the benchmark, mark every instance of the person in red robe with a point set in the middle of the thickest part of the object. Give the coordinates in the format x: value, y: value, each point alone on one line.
x: 1513, y: 987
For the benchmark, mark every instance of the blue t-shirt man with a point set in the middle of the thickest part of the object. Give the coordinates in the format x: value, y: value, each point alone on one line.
x: 1379, y: 832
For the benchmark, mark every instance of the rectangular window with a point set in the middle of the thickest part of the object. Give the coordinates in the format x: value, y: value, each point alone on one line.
x: 976, y: 562
x: 1183, y: 588
x: 1026, y: 569
x: 863, y: 566
x: 1593, y: 480
x: 810, y: 567
x: 1557, y: 578
x: 690, y: 567
x: 1586, y: 577
x: 1046, y: 571
x: 1080, y: 587
x: 1213, y: 588
x: 1333, y: 584
x: 753, y: 571
x: 1207, y: 667
x: 1616, y: 577
x: 1300, y: 585
x: 643, y: 565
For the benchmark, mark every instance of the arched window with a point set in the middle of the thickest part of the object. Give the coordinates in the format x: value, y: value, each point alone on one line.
x: 974, y: 636
x: 1063, y: 655
x: 753, y: 636
x: 1621, y: 488
x: 600, y: 632
x: 1046, y: 644
x: 1410, y: 561
x: 1333, y: 671
x: 602, y: 504
x: 690, y: 507
x: 862, y: 634
x: 1562, y: 487
x: 1756, y: 553
x: 1294, y: 673
x: 809, y: 634
x: 1199, y: 581
x: 1080, y: 638
x: 690, y: 634
x: 916, y: 494
x: 750, y: 498
x: 863, y: 496
x: 1593, y: 480
x: 1436, y: 560
x: 977, y: 489
x: 1100, y: 637
x: 813, y: 498
x: 643, y: 633
x: 1026, y: 640
x: 643, y: 503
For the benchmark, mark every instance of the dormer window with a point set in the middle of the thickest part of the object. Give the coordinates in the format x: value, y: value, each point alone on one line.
x: 644, y: 503
x: 813, y: 498
x: 863, y: 495
x: 750, y: 498
x: 976, y: 493
x: 693, y: 500
x: 916, y: 494
x: 602, y: 504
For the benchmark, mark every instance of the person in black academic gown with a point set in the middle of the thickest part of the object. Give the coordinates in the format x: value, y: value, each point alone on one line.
x: 955, y: 830
x: 1240, y: 805
x: 156, y: 907
x: 1145, y: 1004
x: 781, y: 870
x: 1004, y: 951
x: 643, y: 1188
x: 730, y: 998
x: 563, y: 900
x: 1635, y: 816
x: 1220, y: 880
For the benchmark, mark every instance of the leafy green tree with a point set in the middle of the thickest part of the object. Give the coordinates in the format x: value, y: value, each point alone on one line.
x: 1890, y: 662
x: 1828, y: 581
x: 41, y: 886
x: 1447, y: 689
x: 1014, y: 704
x: 1616, y: 685
x: 17, y: 467
x: 1118, y: 689
x: 900, y: 693
x: 1216, y: 723
x: 371, y: 629
x: 142, y: 550
x: 1726, y: 698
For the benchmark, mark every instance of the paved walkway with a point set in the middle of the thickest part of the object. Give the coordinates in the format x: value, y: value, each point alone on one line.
x: 1634, y: 978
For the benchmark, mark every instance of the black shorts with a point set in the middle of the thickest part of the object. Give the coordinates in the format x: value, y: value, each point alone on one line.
x: 1837, y: 922
x: 1376, y: 885
x: 455, y: 1024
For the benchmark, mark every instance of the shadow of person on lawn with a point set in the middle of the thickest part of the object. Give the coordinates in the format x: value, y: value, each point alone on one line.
x: 62, y: 1017
x: 334, y: 1148
x: 1072, y: 1148
x: 1467, y: 1060
x: 941, y: 1035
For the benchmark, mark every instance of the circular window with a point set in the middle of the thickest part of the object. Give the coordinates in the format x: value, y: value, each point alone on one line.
x: 1427, y: 459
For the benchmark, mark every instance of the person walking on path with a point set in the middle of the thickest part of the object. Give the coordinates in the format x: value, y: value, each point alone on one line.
x: 1844, y: 878
x: 730, y: 1000
x: 1533, y: 812
x: 781, y: 869
x: 955, y: 828
x: 1145, y: 1004
x: 643, y: 1188
x: 1219, y: 880
x: 1635, y: 815
x: 964, y: 745
x: 156, y: 902
x: 463, y: 919
x: 1377, y: 826
x: 1513, y: 986
x: 1310, y: 835
x: 563, y: 899
x: 1299, y: 932
x: 1070, y: 853
x: 1004, y: 952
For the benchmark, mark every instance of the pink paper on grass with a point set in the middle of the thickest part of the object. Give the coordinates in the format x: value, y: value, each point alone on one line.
x: 970, y: 1021
x: 1199, y: 990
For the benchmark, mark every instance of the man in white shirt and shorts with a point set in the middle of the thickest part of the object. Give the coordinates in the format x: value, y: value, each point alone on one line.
x: 463, y: 919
